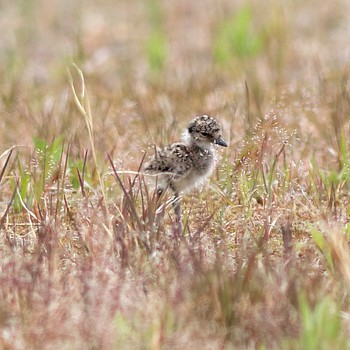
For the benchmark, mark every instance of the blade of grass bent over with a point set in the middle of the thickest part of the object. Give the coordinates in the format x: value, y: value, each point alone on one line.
x: 83, y: 105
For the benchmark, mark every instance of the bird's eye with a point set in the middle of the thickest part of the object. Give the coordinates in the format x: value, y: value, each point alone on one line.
x: 205, y: 134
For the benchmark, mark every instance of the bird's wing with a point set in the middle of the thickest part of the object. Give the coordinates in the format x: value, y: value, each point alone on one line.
x: 174, y: 159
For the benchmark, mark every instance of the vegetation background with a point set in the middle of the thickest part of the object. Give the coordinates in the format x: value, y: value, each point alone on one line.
x: 88, y: 260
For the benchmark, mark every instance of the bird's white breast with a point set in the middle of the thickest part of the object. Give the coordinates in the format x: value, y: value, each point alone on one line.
x: 204, y: 163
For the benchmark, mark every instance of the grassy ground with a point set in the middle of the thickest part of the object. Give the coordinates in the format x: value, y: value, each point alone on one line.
x: 88, y: 260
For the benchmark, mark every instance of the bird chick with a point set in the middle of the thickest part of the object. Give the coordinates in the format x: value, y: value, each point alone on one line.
x: 180, y: 166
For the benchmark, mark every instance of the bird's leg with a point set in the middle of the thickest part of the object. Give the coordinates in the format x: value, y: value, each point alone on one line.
x: 157, y: 218
x: 159, y: 193
x: 176, y: 206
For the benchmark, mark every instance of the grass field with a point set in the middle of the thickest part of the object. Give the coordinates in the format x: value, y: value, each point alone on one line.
x: 88, y: 260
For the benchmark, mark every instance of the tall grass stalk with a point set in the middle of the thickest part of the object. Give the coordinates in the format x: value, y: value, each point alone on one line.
x: 83, y: 104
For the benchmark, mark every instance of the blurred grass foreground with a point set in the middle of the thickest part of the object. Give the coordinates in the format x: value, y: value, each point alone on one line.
x: 88, y: 259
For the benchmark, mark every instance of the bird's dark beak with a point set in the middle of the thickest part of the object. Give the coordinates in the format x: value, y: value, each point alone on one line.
x: 221, y: 142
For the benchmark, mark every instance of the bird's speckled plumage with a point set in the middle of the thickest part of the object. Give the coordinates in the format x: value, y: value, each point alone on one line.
x: 182, y: 165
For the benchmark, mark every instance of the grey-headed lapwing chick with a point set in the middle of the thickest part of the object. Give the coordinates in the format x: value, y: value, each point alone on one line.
x: 180, y: 166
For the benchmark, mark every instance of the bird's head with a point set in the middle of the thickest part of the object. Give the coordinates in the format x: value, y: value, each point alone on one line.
x: 205, y: 129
